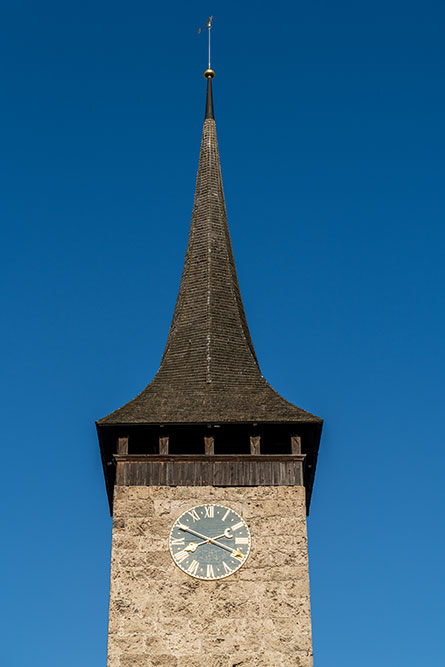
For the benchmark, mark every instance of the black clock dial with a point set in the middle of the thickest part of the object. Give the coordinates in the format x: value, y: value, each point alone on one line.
x: 209, y: 541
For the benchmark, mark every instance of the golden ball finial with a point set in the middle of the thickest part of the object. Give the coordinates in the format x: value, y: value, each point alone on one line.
x: 209, y: 74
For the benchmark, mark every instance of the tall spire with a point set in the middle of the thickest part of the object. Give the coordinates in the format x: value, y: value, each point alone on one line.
x: 209, y: 372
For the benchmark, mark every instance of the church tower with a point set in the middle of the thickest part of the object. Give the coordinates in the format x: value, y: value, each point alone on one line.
x: 209, y: 476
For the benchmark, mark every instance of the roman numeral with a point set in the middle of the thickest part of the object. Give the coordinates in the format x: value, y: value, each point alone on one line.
x: 226, y: 515
x: 177, y: 541
x: 210, y: 572
x: 237, y: 526
x: 192, y: 568
x: 241, y: 540
x: 227, y: 569
x: 194, y: 515
x: 180, y: 556
x: 210, y: 511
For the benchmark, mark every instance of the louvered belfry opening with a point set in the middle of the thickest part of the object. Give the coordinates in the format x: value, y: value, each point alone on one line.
x: 209, y: 416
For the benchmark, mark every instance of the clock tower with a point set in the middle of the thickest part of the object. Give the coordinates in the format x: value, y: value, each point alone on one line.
x: 209, y: 475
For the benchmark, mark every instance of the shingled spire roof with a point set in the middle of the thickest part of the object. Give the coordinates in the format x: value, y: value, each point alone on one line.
x: 209, y: 372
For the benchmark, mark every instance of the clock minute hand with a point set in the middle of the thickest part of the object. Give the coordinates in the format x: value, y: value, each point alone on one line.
x: 194, y: 545
x: 235, y: 553
x: 195, y: 532
x: 226, y: 533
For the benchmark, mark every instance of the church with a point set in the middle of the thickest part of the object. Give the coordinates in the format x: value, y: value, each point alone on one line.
x: 209, y: 474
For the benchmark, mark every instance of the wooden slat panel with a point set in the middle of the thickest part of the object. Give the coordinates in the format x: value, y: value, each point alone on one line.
x: 120, y: 473
x: 298, y: 473
x: 235, y: 473
x: 192, y: 473
x: 208, y: 471
x: 131, y: 473
x: 170, y: 473
x: 285, y: 474
x: 154, y: 473
x: 217, y: 473
x: 226, y: 474
x: 277, y: 469
x: 253, y: 474
x: 203, y: 475
x: 219, y: 477
x: 243, y: 474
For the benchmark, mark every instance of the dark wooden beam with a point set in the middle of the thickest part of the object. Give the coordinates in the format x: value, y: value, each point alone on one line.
x: 255, y: 445
x: 122, y: 446
x: 295, y: 444
x: 172, y: 458
x: 209, y: 446
x: 163, y: 446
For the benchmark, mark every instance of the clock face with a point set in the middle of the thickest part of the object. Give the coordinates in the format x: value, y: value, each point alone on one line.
x: 209, y: 542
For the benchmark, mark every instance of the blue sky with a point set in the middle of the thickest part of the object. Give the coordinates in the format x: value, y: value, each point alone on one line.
x: 330, y: 120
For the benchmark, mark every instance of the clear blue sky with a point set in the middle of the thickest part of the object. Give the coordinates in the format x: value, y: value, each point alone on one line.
x: 330, y: 119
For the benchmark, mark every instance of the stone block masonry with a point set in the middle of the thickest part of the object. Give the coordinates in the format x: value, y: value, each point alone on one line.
x: 161, y: 617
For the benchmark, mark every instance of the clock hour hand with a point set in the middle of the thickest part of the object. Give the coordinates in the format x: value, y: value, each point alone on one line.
x: 236, y: 553
x: 192, y: 546
x: 227, y: 533
x: 194, y: 532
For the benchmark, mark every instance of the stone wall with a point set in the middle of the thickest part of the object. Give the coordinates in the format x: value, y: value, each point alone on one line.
x: 160, y: 616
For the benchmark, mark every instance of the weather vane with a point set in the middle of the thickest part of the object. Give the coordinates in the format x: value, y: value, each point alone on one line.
x: 209, y: 26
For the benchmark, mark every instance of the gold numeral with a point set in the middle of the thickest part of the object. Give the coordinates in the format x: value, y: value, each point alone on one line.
x: 227, y: 569
x: 177, y: 541
x: 210, y: 511
x: 241, y: 540
x: 237, y: 526
x: 192, y: 568
x: 210, y: 572
x: 180, y: 556
x: 226, y: 515
x: 194, y: 515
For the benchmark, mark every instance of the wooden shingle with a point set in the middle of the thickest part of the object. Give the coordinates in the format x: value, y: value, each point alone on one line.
x: 209, y: 371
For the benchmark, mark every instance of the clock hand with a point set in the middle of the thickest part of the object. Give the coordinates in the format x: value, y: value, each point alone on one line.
x: 195, y: 532
x: 207, y: 539
x: 192, y: 546
x: 235, y: 553
x: 226, y: 533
